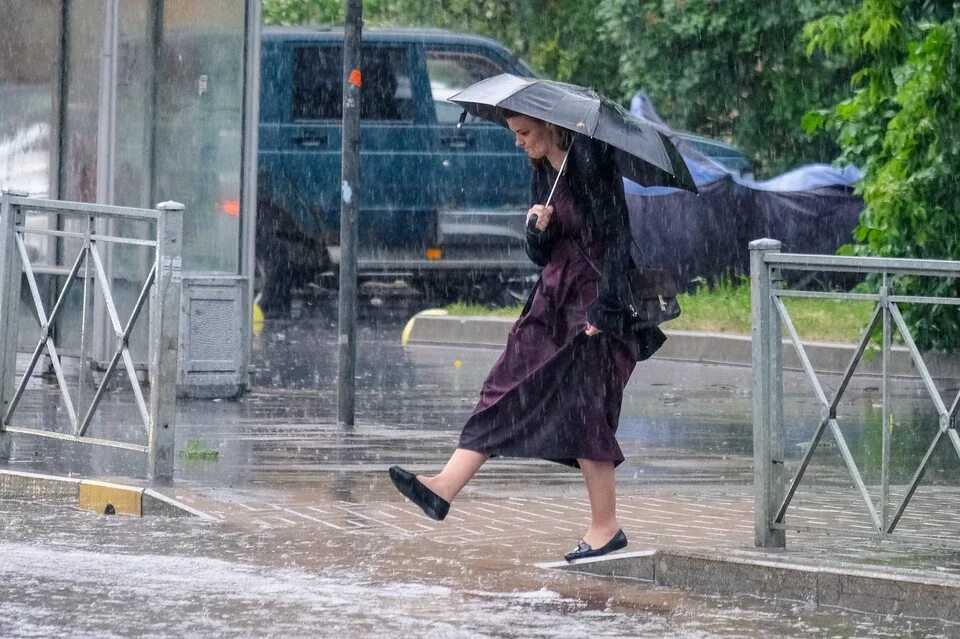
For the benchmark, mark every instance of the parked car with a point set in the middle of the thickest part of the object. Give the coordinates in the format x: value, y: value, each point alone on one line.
x: 438, y: 204
x: 442, y: 207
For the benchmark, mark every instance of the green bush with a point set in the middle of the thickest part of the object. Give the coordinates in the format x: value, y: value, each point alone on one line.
x: 902, y: 125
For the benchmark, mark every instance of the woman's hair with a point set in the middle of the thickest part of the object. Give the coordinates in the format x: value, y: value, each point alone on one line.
x: 561, y: 136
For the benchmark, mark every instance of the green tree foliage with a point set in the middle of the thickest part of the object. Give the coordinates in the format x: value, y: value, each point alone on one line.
x: 902, y: 125
x: 558, y: 38
x: 734, y: 69
x: 291, y: 12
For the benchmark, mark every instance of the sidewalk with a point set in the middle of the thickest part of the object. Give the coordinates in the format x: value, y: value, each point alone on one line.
x: 320, y: 495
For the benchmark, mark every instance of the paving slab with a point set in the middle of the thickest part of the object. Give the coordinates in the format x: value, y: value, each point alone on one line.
x: 302, y: 489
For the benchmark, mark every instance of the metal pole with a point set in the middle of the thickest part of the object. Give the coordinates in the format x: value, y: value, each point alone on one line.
x: 102, y: 337
x: 350, y: 202
x: 248, y: 175
x: 767, y: 398
x: 10, y: 216
x: 165, y: 340
x: 886, y: 424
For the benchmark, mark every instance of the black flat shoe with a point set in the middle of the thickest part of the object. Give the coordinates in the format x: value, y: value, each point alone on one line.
x: 583, y: 549
x: 435, y: 506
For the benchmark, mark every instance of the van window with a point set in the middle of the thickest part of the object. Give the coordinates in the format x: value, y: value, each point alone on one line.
x: 452, y: 71
x: 318, y: 90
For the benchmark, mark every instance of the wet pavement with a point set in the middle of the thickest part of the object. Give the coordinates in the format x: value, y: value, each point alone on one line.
x: 309, y: 538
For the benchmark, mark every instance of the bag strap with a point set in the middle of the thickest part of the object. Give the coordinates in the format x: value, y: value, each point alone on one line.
x: 550, y: 197
x: 587, y: 257
x: 577, y: 242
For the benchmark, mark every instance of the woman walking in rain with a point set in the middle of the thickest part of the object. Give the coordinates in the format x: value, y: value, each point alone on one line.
x: 556, y: 391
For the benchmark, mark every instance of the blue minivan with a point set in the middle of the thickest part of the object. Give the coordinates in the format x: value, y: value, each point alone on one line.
x: 439, y: 203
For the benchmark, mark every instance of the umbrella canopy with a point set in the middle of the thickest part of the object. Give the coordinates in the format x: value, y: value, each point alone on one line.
x: 643, y: 153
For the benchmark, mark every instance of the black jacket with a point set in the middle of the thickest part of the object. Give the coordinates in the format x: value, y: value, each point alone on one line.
x: 596, y: 187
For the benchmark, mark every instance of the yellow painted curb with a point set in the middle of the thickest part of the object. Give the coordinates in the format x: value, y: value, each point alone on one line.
x: 405, y: 335
x: 258, y: 319
x: 408, y: 329
x: 104, y: 498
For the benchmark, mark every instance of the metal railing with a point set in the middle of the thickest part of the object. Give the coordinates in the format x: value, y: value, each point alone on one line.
x: 770, y: 316
x: 162, y: 287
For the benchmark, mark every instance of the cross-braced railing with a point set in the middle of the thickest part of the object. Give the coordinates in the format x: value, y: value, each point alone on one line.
x: 770, y: 316
x: 162, y: 287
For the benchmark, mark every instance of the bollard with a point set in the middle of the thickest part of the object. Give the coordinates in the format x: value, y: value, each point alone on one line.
x: 768, y: 453
x: 10, y: 217
x: 165, y: 341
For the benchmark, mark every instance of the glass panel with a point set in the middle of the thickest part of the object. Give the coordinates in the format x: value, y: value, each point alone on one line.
x: 451, y: 72
x: 78, y: 180
x: 135, y: 51
x: 199, y: 126
x: 133, y: 146
x: 29, y: 58
x: 82, y: 180
x: 385, y: 94
x: 28, y: 73
x: 317, y: 84
x: 85, y: 23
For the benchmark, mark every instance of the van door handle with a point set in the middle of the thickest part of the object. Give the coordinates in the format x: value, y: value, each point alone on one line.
x: 311, y: 140
x: 457, y: 141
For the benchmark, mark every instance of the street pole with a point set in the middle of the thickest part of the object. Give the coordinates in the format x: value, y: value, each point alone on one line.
x: 349, y: 205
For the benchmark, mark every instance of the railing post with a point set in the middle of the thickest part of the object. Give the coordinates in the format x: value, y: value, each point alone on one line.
x: 10, y: 274
x: 768, y: 451
x: 165, y: 340
x: 886, y: 427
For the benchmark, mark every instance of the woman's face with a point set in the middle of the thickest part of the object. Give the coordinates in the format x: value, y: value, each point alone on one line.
x: 532, y: 135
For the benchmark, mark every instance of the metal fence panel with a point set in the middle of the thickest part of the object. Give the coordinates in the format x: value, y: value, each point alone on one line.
x: 162, y: 287
x: 772, y: 496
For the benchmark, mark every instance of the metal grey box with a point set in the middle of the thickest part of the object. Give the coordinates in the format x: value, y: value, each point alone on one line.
x: 214, y: 319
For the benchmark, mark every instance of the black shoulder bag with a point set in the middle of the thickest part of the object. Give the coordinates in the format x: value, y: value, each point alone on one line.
x: 652, y: 293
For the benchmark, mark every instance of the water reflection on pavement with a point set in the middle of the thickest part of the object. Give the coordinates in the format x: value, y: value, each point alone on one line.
x: 71, y: 574
x: 312, y: 541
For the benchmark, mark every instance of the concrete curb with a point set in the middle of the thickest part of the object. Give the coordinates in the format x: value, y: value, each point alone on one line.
x: 911, y: 593
x: 88, y: 494
x: 431, y: 328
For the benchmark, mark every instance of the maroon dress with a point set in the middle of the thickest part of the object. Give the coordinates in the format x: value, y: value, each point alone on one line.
x: 555, y: 392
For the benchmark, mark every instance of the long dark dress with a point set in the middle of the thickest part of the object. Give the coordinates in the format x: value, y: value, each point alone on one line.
x: 555, y: 392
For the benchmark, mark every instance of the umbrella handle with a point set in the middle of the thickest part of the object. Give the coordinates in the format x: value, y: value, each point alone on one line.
x: 532, y: 219
x: 559, y: 173
x: 532, y: 224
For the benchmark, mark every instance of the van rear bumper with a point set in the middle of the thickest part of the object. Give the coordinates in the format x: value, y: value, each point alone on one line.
x: 477, y: 266
x: 475, y: 241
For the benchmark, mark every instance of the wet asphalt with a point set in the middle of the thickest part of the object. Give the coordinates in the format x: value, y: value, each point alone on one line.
x: 685, y: 430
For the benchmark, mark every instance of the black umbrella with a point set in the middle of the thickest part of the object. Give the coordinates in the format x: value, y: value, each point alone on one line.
x: 643, y: 153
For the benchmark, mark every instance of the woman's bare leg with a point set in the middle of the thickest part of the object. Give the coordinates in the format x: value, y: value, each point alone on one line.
x: 460, y: 468
x: 602, y: 491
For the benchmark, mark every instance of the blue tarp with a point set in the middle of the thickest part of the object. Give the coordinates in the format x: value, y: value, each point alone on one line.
x: 811, y: 209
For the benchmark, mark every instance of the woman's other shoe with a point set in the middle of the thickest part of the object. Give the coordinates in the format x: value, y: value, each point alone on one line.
x: 583, y: 549
x: 435, y: 506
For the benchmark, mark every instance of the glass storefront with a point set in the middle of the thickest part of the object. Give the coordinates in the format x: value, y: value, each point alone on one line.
x: 169, y: 124
x: 29, y: 82
x: 199, y: 123
x: 125, y: 102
